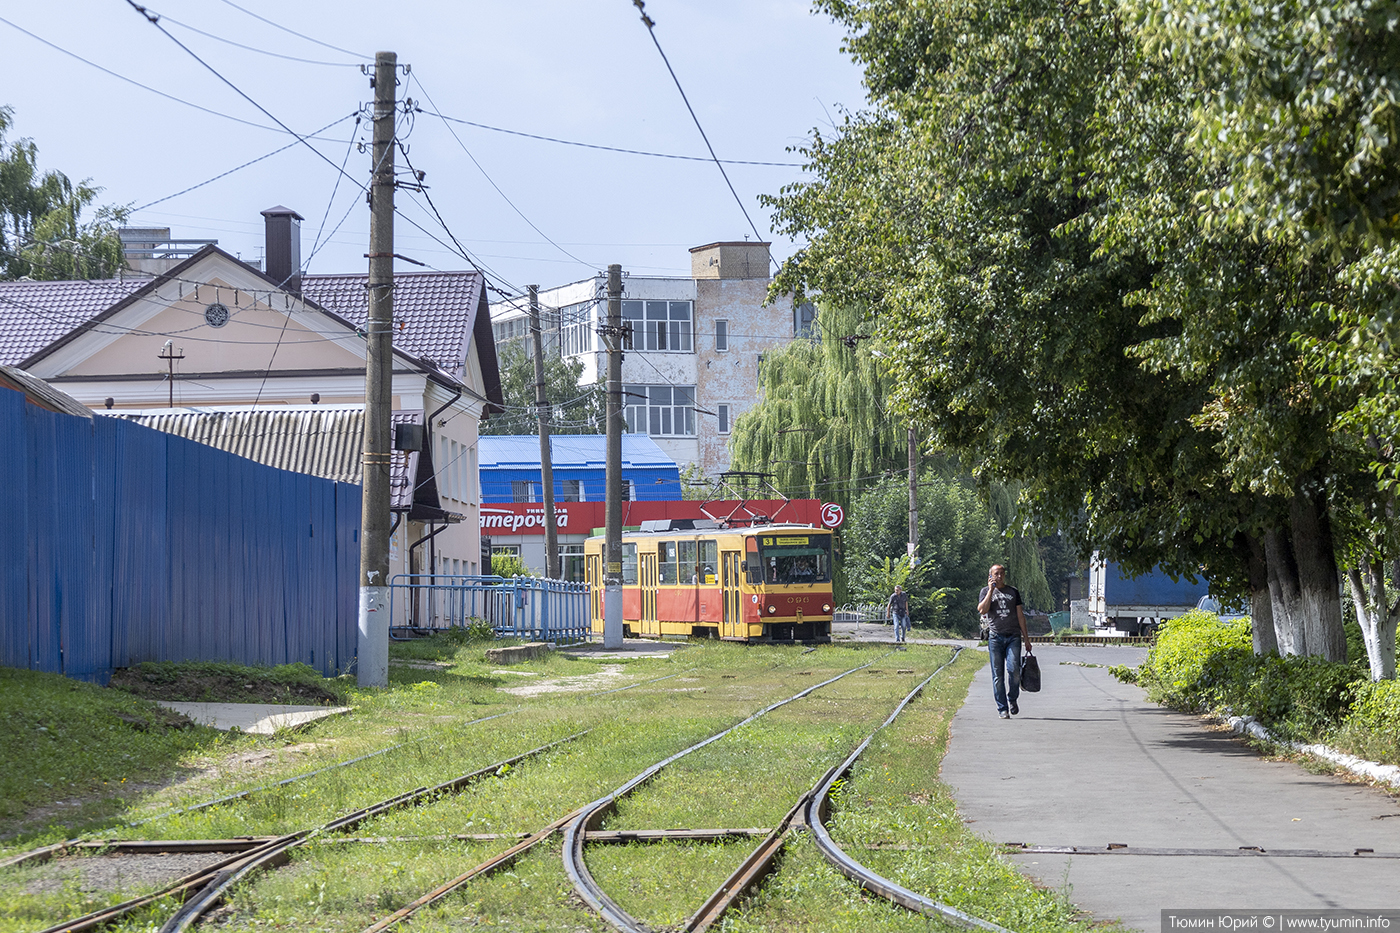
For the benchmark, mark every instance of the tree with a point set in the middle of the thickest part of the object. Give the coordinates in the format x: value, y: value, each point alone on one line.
x: 991, y: 210
x: 574, y: 409
x: 42, y: 235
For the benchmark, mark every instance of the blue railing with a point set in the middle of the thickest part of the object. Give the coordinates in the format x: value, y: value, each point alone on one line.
x: 531, y: 608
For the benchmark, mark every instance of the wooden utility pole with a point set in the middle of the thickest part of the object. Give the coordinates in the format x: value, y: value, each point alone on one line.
x: 168, y: 354
x: 551, y: 530
x: 913, y: 500
x: 372, y: 668
x: 612, y: 574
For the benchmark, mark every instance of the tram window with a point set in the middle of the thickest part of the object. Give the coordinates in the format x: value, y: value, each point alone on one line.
x: 629, y: 565
x: 709, y: 562
x: 689, y: 569
x: 667, y: 563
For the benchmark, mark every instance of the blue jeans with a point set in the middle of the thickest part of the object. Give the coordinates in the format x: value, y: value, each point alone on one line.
x: 1006, y: 666
x: 901, y: 625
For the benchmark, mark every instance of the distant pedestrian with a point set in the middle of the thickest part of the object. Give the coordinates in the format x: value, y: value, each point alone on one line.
x: 1002, y: 611
x: 899, y: 612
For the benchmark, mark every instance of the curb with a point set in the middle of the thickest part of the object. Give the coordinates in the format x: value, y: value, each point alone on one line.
x: 1387, y: 774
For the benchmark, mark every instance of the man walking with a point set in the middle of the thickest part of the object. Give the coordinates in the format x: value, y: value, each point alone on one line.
x: 899, y: 610
x: 1001, y: 609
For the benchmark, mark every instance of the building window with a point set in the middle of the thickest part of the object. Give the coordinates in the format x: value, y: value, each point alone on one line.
x: 722, y: 336
x: 576, y: 328
x: 506, y: 550
x: 804, y: 319
x: 473, y: 476
x: 572, y: 491
x: 509, y: 330
x: 661, y: 411
x: 723, y: 412
x: 522, y: 491
x: 658, y: 325
x: 571, y: 561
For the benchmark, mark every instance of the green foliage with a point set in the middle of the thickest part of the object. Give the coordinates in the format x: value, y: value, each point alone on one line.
x: 1375, y: 713
x: 509, y: 565
x: 1202, y: 664
x: 42, y: 235
x: 575, y: 409
x: 958, y: 541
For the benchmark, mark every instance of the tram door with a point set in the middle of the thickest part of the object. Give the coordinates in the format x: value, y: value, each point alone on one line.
x: 733, y: 606
x: 595, y: 591
x: 647, y: 579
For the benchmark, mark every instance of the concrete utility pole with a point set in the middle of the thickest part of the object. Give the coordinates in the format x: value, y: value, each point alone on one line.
x: 913, y: 500
x: 372, y: 669
x: 612, y: 574
x: 551, y: 530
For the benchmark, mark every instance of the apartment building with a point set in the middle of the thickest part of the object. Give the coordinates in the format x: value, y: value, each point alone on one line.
x: 696, y: 345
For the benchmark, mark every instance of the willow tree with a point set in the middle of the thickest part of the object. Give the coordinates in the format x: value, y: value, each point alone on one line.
x: 821, y: 426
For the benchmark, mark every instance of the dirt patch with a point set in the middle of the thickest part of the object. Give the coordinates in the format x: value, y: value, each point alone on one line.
x: 602, y: 680
x: 214, y: 685
x: 112, y: 873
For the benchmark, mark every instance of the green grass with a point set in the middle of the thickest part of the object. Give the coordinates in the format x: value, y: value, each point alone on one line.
x: 750, y: 778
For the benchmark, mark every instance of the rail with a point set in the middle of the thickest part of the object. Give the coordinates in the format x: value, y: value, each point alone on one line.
x: 531, y: 608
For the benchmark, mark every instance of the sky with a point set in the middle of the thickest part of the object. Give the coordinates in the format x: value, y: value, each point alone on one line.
x: 761, y: 75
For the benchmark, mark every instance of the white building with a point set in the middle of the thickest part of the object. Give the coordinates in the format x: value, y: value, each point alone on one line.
x: 696, y: 346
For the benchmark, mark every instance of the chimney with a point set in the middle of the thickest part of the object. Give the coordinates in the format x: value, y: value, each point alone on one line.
x: 283, y: 254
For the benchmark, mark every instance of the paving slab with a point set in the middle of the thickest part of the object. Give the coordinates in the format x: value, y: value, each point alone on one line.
x: 1089, y: 763
x: 258, y: 718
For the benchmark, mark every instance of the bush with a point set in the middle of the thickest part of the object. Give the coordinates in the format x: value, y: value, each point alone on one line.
x: 1201, y: 664
x: 1373, y: 728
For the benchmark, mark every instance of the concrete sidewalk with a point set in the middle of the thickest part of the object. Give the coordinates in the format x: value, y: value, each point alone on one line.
x: 1090, y: 762
x: 258, y: 718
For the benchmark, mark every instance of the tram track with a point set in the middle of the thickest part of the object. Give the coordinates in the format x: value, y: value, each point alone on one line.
x: 807, y: 812
x: 200, y: 890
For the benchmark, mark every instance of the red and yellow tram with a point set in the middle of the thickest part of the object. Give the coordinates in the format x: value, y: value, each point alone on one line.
x: 682, y: 577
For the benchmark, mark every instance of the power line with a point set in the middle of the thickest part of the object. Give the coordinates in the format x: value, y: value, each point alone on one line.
x: 264, y: 19
x: 154, y: 20
x: 496, y: 186
x: 651, y: 30
x: 244, y: 165
x: 144, y: 87
x: 251, y: 48
x: 570, y: 142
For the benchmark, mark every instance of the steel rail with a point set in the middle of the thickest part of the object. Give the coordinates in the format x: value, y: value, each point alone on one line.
x: 214, y: 880
x: 762, y: 861
x: 510, y: 855
x: 591, y: 815
x: 867, y: 879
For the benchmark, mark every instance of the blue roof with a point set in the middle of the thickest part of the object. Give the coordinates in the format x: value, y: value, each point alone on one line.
x: 580, y: 451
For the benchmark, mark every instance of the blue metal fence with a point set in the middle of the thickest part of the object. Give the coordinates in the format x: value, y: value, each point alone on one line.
x: 125, y: 544
x: 516, y: 607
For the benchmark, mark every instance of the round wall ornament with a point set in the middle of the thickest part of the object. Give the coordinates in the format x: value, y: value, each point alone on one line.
x: 216, y: 314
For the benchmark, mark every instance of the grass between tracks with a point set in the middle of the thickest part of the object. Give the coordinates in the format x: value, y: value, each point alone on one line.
x: 749, y: 779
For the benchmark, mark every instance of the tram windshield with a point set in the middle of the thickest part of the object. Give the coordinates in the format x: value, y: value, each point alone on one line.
x: 795, y: 558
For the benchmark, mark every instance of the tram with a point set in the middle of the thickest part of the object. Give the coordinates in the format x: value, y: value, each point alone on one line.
x: 691, y: 577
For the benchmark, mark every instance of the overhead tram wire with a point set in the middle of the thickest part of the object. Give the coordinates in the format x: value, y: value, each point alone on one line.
x: 492, y: 181
x: 651, y: 30
x: 147, y: 87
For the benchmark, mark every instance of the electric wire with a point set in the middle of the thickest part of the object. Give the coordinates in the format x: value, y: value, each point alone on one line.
x: 651, y: 31
x: 154, y: 20
x: 293, y: 32
x: 291, y: 58
x: 493, y: 184
x: 570, y: 142
x: 144, y: 87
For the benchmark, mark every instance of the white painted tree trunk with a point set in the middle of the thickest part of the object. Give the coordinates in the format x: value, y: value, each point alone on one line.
x: 1304, y: 587
x: 1376, y: 618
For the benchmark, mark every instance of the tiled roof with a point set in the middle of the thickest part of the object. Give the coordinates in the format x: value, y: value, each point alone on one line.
x: 321, y: 440
x: 433, y: 311
x: 35, y: 314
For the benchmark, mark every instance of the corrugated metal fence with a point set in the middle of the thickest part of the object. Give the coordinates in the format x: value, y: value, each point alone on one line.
x: 516, y: 607
x: 125, y: 544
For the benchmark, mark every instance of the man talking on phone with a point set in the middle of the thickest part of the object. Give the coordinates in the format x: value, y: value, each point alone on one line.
x: 1001, y: 608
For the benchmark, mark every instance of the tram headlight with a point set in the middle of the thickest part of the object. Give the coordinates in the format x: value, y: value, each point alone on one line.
x: 772, y: 609
x: 826, y: 607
